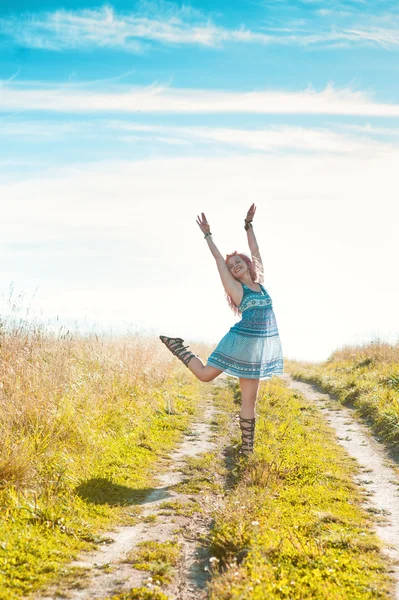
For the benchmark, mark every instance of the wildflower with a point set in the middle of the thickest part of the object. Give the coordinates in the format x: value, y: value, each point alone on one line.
x: 255, y: 523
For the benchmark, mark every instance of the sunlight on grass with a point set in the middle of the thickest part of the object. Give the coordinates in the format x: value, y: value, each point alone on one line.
x: 364, y: 376
x: 84, y: 421
x: 291, y: 525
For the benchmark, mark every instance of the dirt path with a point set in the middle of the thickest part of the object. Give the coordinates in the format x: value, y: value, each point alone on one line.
x: 379, y: 474
x: 104, y: 571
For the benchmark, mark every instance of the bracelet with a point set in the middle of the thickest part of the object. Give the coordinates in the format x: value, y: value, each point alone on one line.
x: 209, y: 233
x: 247, y: 224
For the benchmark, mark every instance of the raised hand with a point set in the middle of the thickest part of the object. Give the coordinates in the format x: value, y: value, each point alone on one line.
x: 203, y: 223
x: 251, y: 213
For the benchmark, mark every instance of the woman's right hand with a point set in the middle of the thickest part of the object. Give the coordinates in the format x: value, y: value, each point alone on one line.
x: 203, y: 223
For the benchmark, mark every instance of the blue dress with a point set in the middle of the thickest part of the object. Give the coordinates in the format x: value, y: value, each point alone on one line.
x: 252, y: 347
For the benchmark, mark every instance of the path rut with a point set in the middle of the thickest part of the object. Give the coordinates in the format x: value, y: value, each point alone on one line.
x: 104, y: 572
x: 379, y: 473
x: 108, y: 574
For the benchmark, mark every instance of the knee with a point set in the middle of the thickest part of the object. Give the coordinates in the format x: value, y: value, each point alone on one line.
x: 206, y: 377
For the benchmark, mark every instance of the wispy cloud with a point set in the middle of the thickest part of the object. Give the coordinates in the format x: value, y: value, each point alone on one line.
x: 162, y: 99
x: 14, y: 76
x: 134, y: 32
x: 103, y: 27
x: 371, y: 130
x: 270, y: 139
x: 341, y: 139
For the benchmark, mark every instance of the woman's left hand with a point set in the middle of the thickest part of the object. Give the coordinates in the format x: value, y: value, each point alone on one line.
x: 251, y: 213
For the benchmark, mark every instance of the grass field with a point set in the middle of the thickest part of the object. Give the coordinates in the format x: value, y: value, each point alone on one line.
x: 84, y: 423
x: 290, y: 524
x: 366, y: 377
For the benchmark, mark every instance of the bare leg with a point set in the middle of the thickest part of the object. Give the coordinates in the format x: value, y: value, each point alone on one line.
x: 249, y: 394
x: 191, y: 360
x: 201, y: 371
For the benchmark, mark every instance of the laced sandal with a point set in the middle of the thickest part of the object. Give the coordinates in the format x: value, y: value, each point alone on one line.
x: 247, y: 427
x: 175, y: 345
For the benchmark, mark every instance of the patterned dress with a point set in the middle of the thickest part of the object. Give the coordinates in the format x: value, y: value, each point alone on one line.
x: 252, y: 347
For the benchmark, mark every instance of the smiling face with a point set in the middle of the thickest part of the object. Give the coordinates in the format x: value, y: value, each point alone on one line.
x: 237, y: 266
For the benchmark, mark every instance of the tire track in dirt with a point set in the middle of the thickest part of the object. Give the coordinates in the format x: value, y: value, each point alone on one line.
x: 379, y: 474
x: 104, y: 572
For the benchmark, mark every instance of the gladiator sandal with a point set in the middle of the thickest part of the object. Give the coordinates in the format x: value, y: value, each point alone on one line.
x: 175, y: 345
x: 247, y: 427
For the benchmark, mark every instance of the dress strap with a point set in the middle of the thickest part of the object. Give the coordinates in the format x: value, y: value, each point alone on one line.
x: 261, y: 287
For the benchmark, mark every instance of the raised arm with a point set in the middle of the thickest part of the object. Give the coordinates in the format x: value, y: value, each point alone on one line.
x: 230, y: 284
x: 252, y: 243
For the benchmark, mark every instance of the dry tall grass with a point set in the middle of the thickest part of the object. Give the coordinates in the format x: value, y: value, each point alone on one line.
x: 83, y: 424
x: 377, y: 351
x: 58, y: 391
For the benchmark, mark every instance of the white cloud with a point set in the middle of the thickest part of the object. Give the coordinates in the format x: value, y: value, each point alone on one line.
x: 370, y: 129
x: 103, y: 27
x: 346, y: 139
x: 161, y: 99
x: 326, y: 226
x: 132, y: 32
x: 380, y: 36
x: 267, y: 139
x: 41, y: 129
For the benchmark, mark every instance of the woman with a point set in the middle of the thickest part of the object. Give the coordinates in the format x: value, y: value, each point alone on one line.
x: 251, y: 350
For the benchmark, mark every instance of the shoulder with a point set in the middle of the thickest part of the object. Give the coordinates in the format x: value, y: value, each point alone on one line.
x: 264, y: 289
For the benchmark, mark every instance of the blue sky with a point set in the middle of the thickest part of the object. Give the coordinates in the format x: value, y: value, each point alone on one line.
x: 120, y: 122
x: 288, y: 45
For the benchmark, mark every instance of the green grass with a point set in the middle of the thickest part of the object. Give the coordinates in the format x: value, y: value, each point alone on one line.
x: 366, y: 377
x: 178, y: 507
x: 86, y: 425
x: 199, y: 472
x: 290, y: 524
x: 159, y: 558
x: 40, y: 532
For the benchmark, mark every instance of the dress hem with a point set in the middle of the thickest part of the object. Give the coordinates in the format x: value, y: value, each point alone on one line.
x: 229, y: 371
